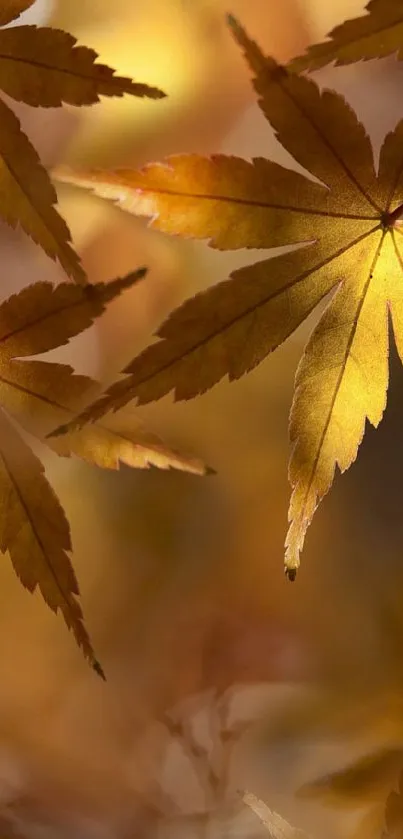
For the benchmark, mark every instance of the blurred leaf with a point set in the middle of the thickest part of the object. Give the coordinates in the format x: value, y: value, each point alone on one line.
x: 363, y: 780
x: 108, y: 446
x: 43, y: 66
x: 350, y: 229
x: 11, y: 9
x: 277, y: 827
x: 373, y: 35
x: 394, y: 812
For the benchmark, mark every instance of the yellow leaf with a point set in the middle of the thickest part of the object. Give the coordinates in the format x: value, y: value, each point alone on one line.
x: 110, y: 444
x: 11, y: 9
x: 43, y: 66
x: 42, y: 395
x: 373, y: 35
x: 35, y: 532
x: 341, y: 382
x: 349, y: 222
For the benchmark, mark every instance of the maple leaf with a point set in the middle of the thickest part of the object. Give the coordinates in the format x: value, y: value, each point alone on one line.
x: 347, y: 225
x: 43, y: 67
x: 33, y: 527
x: 12, y: 9
x: 373, y: 35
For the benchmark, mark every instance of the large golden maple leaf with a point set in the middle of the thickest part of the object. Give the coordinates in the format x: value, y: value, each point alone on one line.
x: 347, y: 224
x: 43, y: 67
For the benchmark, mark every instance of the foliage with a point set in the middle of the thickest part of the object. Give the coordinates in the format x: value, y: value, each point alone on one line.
x: 374, y: 35
x: 348, y: 221
x: 43, y: 67
x: 33, y: 527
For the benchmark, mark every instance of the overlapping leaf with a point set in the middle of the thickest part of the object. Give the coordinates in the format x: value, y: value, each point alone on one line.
x: 33, y: 527
x: 44, y: 67
x: 373, y: 35
x: 348, y: 221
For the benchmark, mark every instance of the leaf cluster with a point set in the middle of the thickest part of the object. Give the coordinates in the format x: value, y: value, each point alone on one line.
x: 344, y: 218
x: 41, y: 66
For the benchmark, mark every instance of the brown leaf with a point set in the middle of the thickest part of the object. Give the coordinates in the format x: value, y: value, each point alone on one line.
x: 42, y: 394
x: 373, y: 35
x: 35, y: 531
x: 39, y: 394
x: 43, y: 66
x: 11, y: 9
x: 27, y: 196
x: 43, y: 316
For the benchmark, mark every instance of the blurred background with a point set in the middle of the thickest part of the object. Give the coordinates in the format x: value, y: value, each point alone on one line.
x: 181, y: 577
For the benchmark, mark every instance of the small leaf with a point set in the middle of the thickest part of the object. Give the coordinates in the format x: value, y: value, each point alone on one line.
x: 35, y: 531
x: 43, y: 66
x: 12, y: 9
x: 109, y: 445
x: 27, y: 196
x: 373, y: 35
x: 43, y: 316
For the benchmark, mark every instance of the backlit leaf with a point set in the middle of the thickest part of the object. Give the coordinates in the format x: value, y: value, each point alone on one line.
x: 36, y: 533
x: 27, y: 196
x: 43, y: 66
x: 375, y: 34
x: 40, y: 395
x: 348, y: 222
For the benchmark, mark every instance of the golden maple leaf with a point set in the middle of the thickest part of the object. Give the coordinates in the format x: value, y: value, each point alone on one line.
x: 348, y: 221
x: 43, y: 67
x: 374, y: 35
x: 33, y: 526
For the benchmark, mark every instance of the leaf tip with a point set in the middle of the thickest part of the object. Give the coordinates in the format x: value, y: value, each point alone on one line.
x: 290, y: 573
x: 98, y: 669
x: 231, y: 20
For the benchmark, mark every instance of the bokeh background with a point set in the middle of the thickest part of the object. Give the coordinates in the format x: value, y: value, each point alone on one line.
x: 181, y: 577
